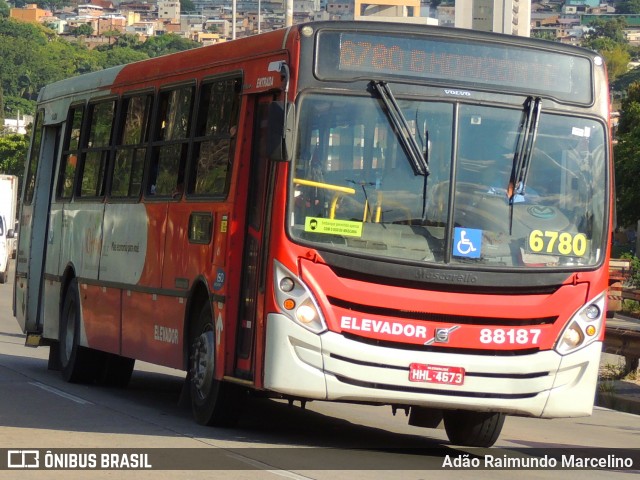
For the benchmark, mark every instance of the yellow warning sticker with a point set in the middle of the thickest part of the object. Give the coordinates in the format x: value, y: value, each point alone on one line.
x: 330, y: 226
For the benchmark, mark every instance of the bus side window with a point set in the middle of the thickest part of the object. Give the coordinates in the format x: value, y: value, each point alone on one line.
x: 70, y: 153
x: 130, y: 147
x: 33, y: 160
x: 170, y: 142
x: 94, y: 157
x: 215, y: 137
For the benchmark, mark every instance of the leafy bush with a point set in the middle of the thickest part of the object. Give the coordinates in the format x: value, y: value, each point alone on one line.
x: 634, y: 275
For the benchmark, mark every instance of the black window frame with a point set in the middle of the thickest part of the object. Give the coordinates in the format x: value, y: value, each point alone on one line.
x: 103, y: 151
x: 221, y: 135
x: 160, y: 143
x: 141, y: 146
x: 34, y: 158
x: 65, y: 186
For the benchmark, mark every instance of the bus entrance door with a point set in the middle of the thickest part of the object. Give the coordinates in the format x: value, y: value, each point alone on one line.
x: 255, y: 243
x: 34, y: 222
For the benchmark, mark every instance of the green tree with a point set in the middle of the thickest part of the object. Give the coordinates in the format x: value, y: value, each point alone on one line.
x: 44, y: 4
x: 82, y: 30
x: 33, y: 56
x: 628, y: 7
x: 120, y: 56
x: 617, y: 59
x: 17, y: 105
x: 127, y: 40
x: 31, y: 32
x: 607, y: 28
x: 13, y: 151
x: 608, y: 38
x: 629, y: 113
x: 187, y: 6
x: 600, y: 43
x: 165, y: 44
x: 84, y: 60
x: 627, y: 158
x: 110, y: 34
x: 4, y: 9
x: 544, y: 35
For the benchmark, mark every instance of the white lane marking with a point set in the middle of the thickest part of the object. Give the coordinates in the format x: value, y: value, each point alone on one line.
x: 267, y: 468
x: 60, y: 393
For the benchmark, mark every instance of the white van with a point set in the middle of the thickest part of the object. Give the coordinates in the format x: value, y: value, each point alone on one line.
x: 6, y: 248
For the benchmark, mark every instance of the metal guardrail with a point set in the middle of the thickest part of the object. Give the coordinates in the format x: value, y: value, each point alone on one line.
x: 622, y: 336
x: 619, y: 270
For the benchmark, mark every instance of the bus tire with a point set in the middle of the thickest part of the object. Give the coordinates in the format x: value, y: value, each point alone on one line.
x: 473, y: 429
x: 213, y: 402
x: 3, y: 275
x: 78, y: 364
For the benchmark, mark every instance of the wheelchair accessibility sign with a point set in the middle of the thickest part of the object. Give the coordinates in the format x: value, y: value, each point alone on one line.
x: 467, y: 242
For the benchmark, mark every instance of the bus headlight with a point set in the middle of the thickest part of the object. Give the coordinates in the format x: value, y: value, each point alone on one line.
x: 583, y: 328
x: 296, y: 301
x: 306, y: 314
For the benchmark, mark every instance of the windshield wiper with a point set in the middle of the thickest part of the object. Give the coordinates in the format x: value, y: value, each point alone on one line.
x: 524, y: 148
x: 524, y: 151
x: 417, y: 157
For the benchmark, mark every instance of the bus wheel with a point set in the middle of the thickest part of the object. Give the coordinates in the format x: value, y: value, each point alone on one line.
x: 78, y: 364
x: 473, y: 429
x: 213, y: 402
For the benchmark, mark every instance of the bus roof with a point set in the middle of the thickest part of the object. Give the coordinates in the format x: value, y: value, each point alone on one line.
x: 181, y: 66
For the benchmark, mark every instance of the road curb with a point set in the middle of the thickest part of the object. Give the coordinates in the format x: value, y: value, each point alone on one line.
x: 623, y: 397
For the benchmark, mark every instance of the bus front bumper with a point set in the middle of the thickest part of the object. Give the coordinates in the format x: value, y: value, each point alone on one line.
x: 330, y: 367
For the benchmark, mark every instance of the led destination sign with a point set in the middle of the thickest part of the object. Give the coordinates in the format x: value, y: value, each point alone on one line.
x: 448, y: 60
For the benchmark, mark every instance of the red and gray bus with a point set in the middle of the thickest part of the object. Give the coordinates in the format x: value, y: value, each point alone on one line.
x: 338, y: 211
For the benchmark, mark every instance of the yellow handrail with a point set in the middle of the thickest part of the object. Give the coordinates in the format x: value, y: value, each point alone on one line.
x: 326, y: 186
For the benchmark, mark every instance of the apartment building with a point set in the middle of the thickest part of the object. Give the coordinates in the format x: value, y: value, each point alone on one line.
x: 502, y: 16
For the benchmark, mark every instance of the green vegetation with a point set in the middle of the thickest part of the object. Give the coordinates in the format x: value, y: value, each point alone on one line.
x: 4, y: 9
x: 33, y: 56
x: 617, y: 371
x: 13, y: 151
x: 628, y: 7
x: 634, y: 274
x: 631, y: 307
x: 607, y: 37
x: 626, y: 155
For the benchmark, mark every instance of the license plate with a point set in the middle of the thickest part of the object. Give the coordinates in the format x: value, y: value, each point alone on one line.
x: 419, y: 372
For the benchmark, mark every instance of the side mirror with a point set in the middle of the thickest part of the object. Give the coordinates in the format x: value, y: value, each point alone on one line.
x: 280, y: 133
x: 11, y: 233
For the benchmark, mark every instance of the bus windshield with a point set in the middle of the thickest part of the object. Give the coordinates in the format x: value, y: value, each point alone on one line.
x: 354, y: 188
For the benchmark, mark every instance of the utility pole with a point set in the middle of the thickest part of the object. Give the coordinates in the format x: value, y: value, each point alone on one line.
x: 233, y: 20
x: 288, y: 15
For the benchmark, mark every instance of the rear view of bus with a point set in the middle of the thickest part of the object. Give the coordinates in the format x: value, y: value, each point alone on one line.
x: 448, y: 205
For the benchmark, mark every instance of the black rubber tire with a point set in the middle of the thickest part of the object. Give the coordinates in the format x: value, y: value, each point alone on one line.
x: 78, y: 364
x: 213, y: 402
x: 473, y: 429
x: 4, y: 275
